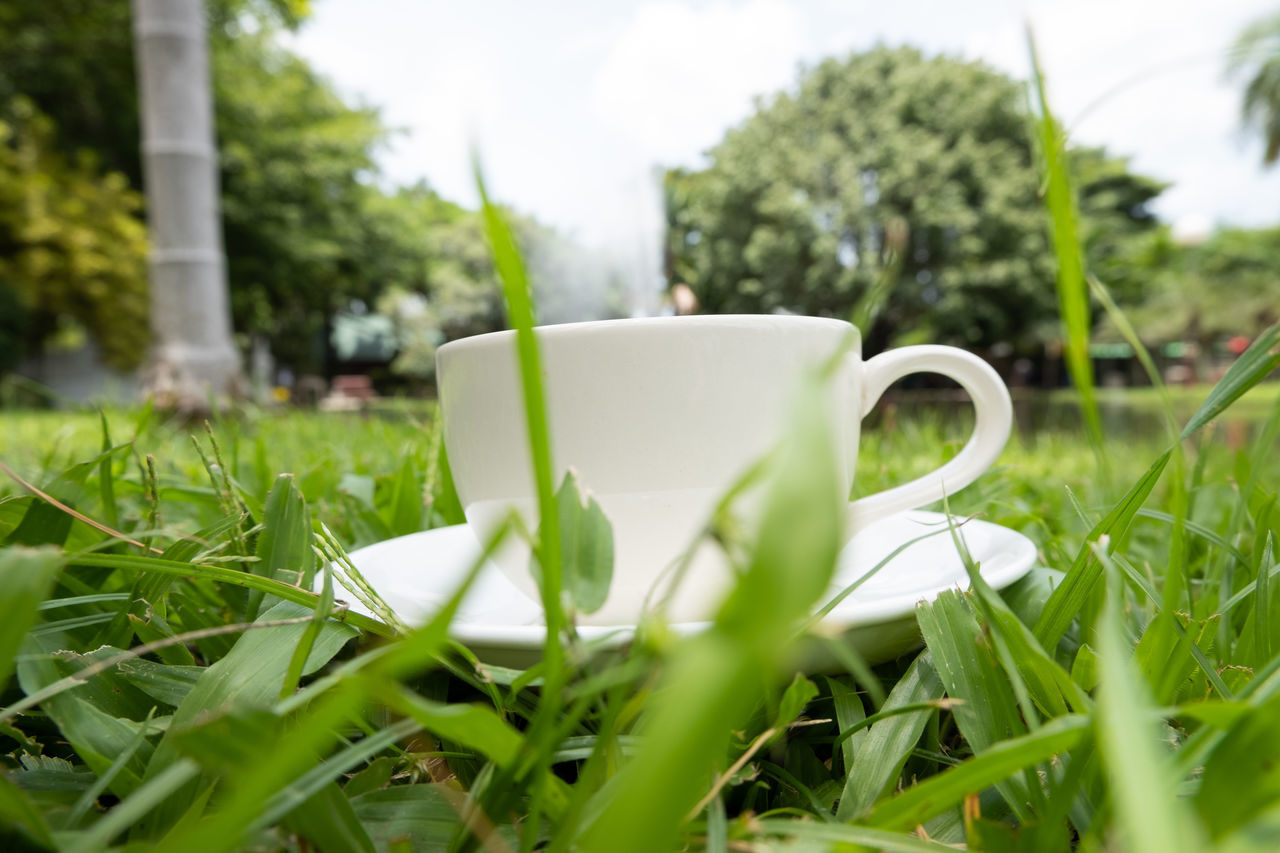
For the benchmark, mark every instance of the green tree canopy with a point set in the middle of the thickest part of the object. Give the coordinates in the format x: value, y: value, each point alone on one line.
x: 71, y: 243
x: 298, y: 203
x: 1256, y: 58
x: 307, y: 229
x: 1226, y: 285
x: 896, y: 175
x: 449, y: 289
x: 74, y: 60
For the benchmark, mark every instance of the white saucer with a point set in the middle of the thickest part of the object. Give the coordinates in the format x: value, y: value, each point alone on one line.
x: 416, y: 574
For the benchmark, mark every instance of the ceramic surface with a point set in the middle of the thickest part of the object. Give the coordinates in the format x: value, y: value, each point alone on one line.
x: 416, y: 574
x: 660, y: 416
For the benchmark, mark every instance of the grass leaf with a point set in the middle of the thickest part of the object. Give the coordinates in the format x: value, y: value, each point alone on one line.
x: 715, y: 680
x: 519, y: 301
x: 250, y: 675
x: 1149, y: 812
x: 284, y: 546
x: 27, y: 576
x: 586, y: 546
x: 1068, y: 598
x: 421, y: 814
x: 404, y: 514
x: 1253, y: 365
x: 1247, y: 752
x: 19, y: 813
x: 948, y: 789
x: 1073, y: 294
x: 881, y: 755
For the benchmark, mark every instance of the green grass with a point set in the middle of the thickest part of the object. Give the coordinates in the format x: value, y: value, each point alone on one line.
x: 142, y: 752
x: 172, y: 683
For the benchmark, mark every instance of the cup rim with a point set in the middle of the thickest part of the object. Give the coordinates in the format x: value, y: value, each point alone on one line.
x: 702, y: 320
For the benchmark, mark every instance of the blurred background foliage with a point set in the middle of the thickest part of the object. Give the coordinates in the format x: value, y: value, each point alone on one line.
x: 1256, y: 60
x: 893, y: 164
x: 308, y: 227
x: 72, y: 244
x: 889, y: 186
x: 1205, y: 291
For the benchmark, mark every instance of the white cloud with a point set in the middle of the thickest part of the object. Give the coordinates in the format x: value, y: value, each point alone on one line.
x: 678, y: 76
x: 453, y: 102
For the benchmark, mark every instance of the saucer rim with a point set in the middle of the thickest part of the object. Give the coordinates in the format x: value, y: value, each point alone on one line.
x: 1018, y: 557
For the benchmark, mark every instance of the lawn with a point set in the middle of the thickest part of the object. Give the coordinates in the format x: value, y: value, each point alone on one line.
x: 248, y: 713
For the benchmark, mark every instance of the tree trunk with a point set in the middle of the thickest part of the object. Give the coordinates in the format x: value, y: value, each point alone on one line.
x: 193, y: 358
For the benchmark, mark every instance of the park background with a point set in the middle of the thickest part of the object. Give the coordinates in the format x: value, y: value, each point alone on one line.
x: 897, y: 176
x: 773, y: 169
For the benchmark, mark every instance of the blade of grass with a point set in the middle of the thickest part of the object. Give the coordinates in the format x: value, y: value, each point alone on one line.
x: 519, y: 302
x: 133, y: 808
x: 966, y: 663
x: 280, y: 590
x: 1186, y: 645
x: 1068, y: 598
x: 90, y: 797
x: 106, y: 478
x: 27, y: 576
x: 717, y: 677
x: 82, y: 676
x: 81, y: 600
x: 249, y: 675
x: 860, y: 837
x: 471, y: 726
x: 1130, y: 334
x: 329, y: 704
x: 1241, y: 778
x: 404, y: 515
x: 1073, y: 296
x: 1262, y: 357
x: 849, y: 713
x: 881, y: 755
x: 307, y: 642
x: 1253, y: 365
x: 1030, y: 669
x: 948, y: 789
x: 1208, y: 534
x: 1262, y: 610
x: 18, y: 812
x: 313, y: 781
x: 517, y: 296
x: 1142, y: 788
x: 327, y: 820
x: 51, y: 519
x: 284, y: 546
x: 846, y: 735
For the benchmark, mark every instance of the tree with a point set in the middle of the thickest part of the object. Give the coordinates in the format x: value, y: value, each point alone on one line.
x: 74, y: 59
x: 890, y: 176
x: 307, y: 230
x: 1225, y: 286
x: 302, y: 219
x: 1256, y: 58
x: 441, y: 284
x: 71, y: 245
x: 295, y: 161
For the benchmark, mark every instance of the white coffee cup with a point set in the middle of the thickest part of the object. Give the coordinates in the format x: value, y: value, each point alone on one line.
x: 660, y: 416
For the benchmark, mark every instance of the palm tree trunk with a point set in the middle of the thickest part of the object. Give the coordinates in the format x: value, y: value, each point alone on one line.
x: 193, y: 356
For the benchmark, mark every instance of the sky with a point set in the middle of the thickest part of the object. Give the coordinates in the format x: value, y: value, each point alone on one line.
x: 575, y: 106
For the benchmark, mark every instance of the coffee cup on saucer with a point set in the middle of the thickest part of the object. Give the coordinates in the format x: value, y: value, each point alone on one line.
x: 660, y: 416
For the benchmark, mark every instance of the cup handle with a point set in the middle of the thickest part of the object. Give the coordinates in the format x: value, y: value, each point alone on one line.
x: 993, y: 420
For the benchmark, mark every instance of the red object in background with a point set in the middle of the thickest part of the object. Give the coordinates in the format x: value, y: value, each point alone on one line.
x: 1238, y: 344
